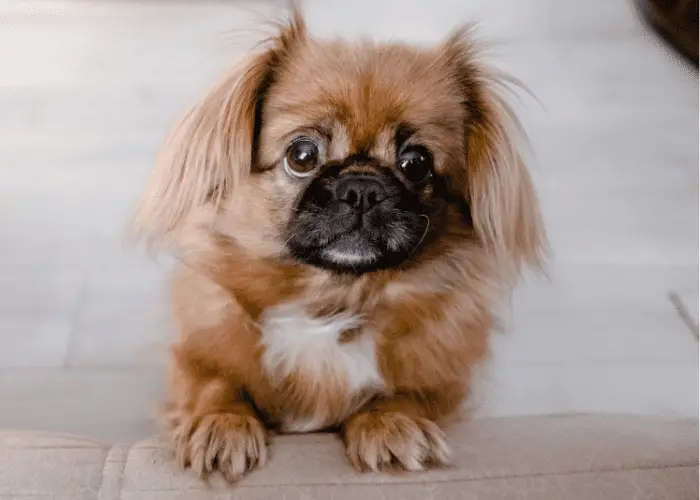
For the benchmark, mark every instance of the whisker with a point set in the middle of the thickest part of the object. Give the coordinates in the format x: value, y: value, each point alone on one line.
x: 290, y: 238
x: 425, y: 233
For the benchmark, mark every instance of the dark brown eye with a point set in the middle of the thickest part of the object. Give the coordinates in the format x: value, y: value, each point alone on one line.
x: 416, y: 163
x: 302, y: 158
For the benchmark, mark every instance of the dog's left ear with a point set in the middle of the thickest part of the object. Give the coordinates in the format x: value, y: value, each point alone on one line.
x: 213, y: 146
x: 502, y: 200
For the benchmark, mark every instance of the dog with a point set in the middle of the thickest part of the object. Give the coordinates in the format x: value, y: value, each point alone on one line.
x: 346, y: 218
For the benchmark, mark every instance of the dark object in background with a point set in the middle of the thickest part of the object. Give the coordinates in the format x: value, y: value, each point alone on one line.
x: 676, y: 21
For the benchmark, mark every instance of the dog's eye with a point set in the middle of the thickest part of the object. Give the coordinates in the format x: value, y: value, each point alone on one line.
x: 416, y: 163
x: 302, y: 158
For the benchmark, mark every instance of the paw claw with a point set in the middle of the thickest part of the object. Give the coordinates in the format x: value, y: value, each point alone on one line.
x: 225, y: 442
x: 393, y: 440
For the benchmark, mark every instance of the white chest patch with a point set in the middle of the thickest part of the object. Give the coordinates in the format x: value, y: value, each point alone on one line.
x: 296, y: 342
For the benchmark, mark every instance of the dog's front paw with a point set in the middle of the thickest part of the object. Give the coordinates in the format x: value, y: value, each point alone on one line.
x: 226, y: 442
x: 382, y: 441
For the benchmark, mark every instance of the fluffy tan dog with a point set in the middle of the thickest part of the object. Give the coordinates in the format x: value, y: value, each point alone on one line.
x: 347, y: 217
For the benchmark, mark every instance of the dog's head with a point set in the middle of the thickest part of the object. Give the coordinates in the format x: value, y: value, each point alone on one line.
x: 350, y: 157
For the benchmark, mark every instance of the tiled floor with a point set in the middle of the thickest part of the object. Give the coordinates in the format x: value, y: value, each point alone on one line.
x: 88, y: 89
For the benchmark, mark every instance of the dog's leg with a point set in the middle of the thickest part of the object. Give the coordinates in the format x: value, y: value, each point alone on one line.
x: 212, y: 424
x: 395, y: 433
x: 212, y: 427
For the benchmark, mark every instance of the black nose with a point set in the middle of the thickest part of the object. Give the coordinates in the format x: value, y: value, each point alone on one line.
x: 360, y: 191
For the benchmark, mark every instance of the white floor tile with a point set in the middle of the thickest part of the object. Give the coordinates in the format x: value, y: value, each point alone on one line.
x: 124, y: 320
x: 35, y: 342
x: 599, y: 313
x: 110, y: 405
x: 507, y: 388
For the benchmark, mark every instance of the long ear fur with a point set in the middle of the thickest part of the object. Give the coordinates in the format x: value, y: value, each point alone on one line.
x: 212, y: 147
x: 500, y: 193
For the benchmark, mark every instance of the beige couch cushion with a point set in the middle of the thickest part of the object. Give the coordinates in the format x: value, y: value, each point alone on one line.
x: 547, y: 458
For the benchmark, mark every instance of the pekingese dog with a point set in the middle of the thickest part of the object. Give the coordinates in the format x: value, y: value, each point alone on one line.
x: 347, y: 217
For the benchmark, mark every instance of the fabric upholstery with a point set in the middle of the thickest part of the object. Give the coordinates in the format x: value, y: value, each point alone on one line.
x: 586, y: 457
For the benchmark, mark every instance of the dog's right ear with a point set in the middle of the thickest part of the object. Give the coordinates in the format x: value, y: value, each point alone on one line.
x: 499, y: 190
x: 212, y: 147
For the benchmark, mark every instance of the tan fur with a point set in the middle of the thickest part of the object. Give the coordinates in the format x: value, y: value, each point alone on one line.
x: 220, y: 200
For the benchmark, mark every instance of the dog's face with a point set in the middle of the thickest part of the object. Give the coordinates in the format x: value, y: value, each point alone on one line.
x: 359, y: 215
x: 350, y: 157
x: 356, y: 152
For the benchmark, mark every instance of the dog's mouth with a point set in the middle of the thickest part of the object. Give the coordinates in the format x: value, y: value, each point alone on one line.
x: 354, y: 252
x: 352, y: 249
x: 345, y: 243
x: 357, y: 221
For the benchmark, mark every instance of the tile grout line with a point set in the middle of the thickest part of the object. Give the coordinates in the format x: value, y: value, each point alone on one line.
x: 684, y: 314
x: 75, y: 321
